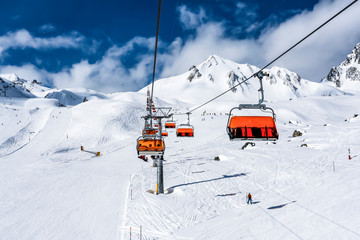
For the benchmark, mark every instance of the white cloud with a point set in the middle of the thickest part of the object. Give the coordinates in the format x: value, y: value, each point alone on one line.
x: 209, y: 40
x: 23, y: 39
x: 312, y: 59
x: 189, y: 19
x: 47, y: 28
x: 245, y: 10
x: 109, y: 74
x: 106, y: 75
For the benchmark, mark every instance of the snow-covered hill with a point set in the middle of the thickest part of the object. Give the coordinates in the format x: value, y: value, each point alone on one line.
x: 13, y: 86
x: 303, y: 187
x: 346, y: 76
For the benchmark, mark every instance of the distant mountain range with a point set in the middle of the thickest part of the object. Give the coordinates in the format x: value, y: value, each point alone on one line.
x: 217, y: 75
x: 214, y: 76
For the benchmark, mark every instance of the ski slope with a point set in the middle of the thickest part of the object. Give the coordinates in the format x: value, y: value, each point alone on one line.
x: 52, y: 190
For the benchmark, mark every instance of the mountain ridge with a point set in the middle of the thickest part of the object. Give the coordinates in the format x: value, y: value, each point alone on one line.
x: 209, y: 78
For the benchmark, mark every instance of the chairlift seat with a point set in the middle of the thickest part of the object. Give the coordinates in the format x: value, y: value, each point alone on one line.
x: 150, y: 146
x: 170, y: 124
x: 149, y: 132
x: 252, y: 128
x: 185, y: 130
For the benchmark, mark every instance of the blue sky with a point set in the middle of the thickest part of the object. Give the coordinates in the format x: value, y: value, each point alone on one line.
x: 108, y: 45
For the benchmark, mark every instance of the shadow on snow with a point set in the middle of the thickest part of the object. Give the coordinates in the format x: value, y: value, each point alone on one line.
x: 210, y: 180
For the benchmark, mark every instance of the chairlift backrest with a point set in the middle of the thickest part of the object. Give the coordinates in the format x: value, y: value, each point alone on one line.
x: 185, y: 130
x: 252, y: 127
x: 150, y: 146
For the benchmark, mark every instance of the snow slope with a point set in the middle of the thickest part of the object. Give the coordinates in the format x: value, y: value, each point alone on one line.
x: 303, y: 187
x: 52, y: 190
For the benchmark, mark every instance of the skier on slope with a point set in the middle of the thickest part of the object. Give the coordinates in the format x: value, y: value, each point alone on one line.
x: 249, y: 199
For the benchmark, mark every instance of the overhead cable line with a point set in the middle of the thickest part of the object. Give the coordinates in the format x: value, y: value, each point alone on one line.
x: 156, y: 44
x: 281, y: 55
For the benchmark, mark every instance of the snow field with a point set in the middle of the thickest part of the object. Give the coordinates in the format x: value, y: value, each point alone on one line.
x: 52, y: 190
x: 298, y: 194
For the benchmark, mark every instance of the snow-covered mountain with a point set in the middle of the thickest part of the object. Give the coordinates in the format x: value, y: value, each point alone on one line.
x: 217, y: 75
x: 214, y: 76
x: 346, y: 76
x: 13, y: 86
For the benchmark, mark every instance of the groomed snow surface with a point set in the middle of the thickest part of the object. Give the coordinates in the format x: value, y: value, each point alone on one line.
x: 49, y: 189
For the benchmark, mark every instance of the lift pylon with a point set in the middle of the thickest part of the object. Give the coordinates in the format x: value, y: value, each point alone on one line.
x: 159, y: 113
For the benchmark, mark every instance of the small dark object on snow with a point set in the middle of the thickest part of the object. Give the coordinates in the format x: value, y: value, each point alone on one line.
x: 304, y: 145
x: 247, y: 144
x: 217, y: 158
x: 35, y: 81
x: 297, y: 133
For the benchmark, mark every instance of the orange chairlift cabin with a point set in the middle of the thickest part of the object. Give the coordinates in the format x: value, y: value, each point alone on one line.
x: 253, y: 127
x: 185, y: 130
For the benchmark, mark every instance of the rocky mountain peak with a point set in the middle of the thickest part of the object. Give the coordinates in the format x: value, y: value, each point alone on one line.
x: 347, y: 71
x: 213, y: 60
x: 354, y: 57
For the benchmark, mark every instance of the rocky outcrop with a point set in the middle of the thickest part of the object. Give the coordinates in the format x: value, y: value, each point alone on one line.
x: 347, y: 71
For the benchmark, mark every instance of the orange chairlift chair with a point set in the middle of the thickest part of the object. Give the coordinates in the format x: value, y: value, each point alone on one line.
x: 148, y: 130
x: 150, y: 143
x: 154, y: 146
x: 170, y: 123
x: 185, y: 130
x: 253, y: 127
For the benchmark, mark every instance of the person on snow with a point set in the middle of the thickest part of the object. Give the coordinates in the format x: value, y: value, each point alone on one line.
x: 249, y: 199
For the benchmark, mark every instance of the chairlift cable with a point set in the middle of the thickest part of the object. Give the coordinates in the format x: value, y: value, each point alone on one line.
x: 220, y: 94
x: 156, y: 44
x: 281, y: 55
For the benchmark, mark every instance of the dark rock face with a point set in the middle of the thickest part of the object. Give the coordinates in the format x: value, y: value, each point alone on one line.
x: 194, y: 72
x: 334, y: 76
x: 354, y: 57
x: 232, y: 80
x: 348, y: 70
x: 353, y: 74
